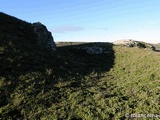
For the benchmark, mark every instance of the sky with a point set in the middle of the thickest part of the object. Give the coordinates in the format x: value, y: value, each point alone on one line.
x: 91, y: 20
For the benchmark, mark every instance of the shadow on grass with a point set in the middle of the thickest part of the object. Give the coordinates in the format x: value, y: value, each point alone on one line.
x: 77, y: 63
x: 157, y: 50
x: 41, y: 70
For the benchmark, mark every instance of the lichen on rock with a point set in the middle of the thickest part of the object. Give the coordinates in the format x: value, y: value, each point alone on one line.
x: 44, y: 37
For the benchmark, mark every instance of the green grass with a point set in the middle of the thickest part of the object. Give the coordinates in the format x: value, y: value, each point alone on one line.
x: 71, y: 84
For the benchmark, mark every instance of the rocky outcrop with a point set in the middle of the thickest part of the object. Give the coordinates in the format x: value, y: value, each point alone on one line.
x: 92, y: 49
x: 134, y: 43
x: 125, y: 42
x: 44, y: 37
x: 96, y: 48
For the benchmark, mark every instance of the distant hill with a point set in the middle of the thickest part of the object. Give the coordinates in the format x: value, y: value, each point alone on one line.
x: 78, y: 81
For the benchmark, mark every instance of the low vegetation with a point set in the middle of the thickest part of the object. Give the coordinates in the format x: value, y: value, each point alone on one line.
x: 71, y: 84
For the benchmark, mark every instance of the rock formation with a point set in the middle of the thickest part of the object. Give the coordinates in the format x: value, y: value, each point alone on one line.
x: 134, y: 43
x: 44, y: 37
x: 94, y: 49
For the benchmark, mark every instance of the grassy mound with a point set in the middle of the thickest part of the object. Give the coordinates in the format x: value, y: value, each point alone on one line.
x: 71, y: 84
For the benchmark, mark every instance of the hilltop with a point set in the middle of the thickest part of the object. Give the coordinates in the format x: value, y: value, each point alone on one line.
x: 78, y: 81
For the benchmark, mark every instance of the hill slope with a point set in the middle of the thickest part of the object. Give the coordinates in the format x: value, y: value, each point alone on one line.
x: 75, y: 82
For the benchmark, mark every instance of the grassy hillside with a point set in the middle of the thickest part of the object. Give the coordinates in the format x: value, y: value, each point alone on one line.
x: 71, y: 84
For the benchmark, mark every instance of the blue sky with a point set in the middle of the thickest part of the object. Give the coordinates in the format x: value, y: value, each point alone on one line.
x: 91, y: 20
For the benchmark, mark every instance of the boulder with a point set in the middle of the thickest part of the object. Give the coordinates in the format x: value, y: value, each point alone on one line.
x: 44, y: 37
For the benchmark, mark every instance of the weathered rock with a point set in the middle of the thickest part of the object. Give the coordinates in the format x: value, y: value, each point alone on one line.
x: 93, y: 49
x: 134, y: 43
x: 124, y: 42
x: 44, y: 37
